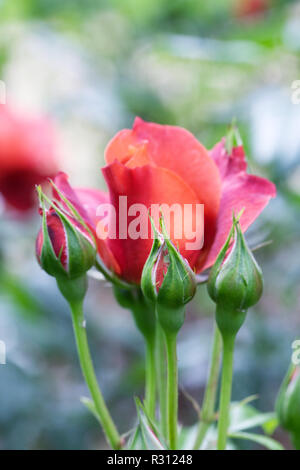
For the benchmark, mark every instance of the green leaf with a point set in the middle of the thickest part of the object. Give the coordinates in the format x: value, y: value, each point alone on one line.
x: 137, y: 442
x: 244, y: 416
x: 90, y: 405
x: 270, y: 426
x: 259, y: 419
x: 153, y: 424
x: 151, y: 435
x: 264, y: 441
x: 27, y: 305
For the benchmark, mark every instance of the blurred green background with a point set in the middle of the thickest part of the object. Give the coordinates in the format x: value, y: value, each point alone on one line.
x: 93, y: 66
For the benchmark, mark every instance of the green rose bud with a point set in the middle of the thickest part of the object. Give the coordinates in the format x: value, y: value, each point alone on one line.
x: 288, y: 404
x: 235, y: 282
x: 168, y: 282
x: 65, y: 249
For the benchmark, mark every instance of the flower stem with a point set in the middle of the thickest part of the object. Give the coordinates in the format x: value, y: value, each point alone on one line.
x: 209, y: 400
x: 150, y: 392
x: 107, y: 423
x: 227, y: 371
x: 161, y: 378
x: 172, y: 389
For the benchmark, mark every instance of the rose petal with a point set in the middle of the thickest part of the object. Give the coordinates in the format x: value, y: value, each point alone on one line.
x: 27, y: 157
x: 145, y: 185
x: 86, y: 201
x: 178, y: 150
x: 61, y: 180
x: 239, y: 191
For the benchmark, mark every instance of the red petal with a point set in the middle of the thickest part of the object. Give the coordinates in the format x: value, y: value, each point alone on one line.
x: 17, y: 188
x: 178, y: 150
x: 27, y: 157
x: 239, y: 191
x: 144, y: 185
x: 61, y: 180
x: 91, y: 199
x: 229, y: 164
x: 39, y: 245
x: 86, y: 201
x: 58, y: 237
x: 26, y: 143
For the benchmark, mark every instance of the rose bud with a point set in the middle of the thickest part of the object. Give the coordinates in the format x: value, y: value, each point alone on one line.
x: 65, y: 248
x: 288, y: 404
x: 168, y: 281
x: 235, y: 282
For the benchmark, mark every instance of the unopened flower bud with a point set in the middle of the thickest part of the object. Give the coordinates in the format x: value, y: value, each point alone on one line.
x: 288, y: 404
x: 235, y: 282
x: 168, y: 282
x: 64, y: 247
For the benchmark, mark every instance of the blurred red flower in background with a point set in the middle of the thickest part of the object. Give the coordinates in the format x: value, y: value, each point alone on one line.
x: 27, y: 157
x: 165, y: 164
x: 248, y: 9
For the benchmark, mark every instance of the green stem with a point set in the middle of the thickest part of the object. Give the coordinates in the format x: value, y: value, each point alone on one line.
x: 172, y: 390
x: 209, y: 400
x: 107, y: 423
x: 144, y: 318
x: 227, y: 371
x: 150, y: 392
x: 161, y: 378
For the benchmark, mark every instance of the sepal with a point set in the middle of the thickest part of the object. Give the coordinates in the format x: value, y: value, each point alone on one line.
x: 168, y: 281
x: 235, y: 281
x: 65, y: 249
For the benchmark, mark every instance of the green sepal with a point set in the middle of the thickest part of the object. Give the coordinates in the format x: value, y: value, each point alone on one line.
x: 73, y: 290
x: 48, y: 260
x: 74, y: 211
x: 178, y: 286
x: 214, y: 272
x: 148, y: 283
x: 229, y: 320
x: 233, y: 138
x: 81, y: 251
x: 235, y: 282
x: 177, y: 289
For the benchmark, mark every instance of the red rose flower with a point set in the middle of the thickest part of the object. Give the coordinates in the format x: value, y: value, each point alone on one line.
x: 27, y: 157
x: 155, y: 164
